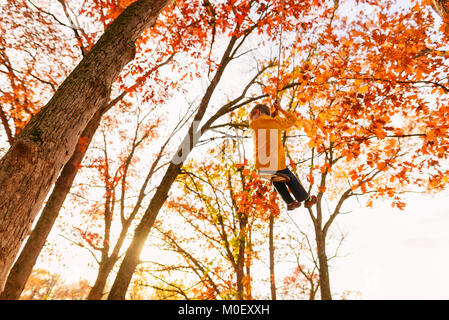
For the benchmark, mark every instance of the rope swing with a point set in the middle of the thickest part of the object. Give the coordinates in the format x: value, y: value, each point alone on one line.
x: 277, y: 177
x: 280, y: 49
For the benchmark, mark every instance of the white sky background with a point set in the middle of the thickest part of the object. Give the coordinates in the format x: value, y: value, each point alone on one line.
x: 396, y: 254
x: 388, y: 253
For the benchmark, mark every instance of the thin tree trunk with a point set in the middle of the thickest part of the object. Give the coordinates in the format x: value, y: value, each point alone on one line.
x: 34, y: 161
x: 96, y: 293
x: 271, y: 249
x: 131, y: 260
x: 325, y: 287
x: 8, y: 131
x: 240, y: 273
x: 107, y: 263
x: 320, y: 238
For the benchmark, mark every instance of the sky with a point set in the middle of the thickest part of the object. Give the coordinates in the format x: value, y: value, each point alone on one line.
x: 395, y: 254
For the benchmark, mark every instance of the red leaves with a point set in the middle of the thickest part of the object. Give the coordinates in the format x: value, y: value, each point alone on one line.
x: 298, y: 282
x: 83, y: 143
x: 93, y: 239
x: 241, y: 165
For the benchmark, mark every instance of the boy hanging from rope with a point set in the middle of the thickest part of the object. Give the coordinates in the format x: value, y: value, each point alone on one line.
x: 270, y: 155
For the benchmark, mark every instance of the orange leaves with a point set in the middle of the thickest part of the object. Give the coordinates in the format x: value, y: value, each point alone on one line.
x: 93, y: 239
x: 399, y: 204
x: 310, y: 178
x: 354, y: 175
x: 254, y: 175
x: 325, y: 168
x: 83, y: 143
x: 110, y: 9
x: 298, y: 281
x: 363, y: 89
x: 241, y: 165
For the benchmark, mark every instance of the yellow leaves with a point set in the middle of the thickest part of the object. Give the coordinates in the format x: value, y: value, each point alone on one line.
x: 323, y: 116
x: 320, y: 78
x: 363, y: 89
x: 312, y: 143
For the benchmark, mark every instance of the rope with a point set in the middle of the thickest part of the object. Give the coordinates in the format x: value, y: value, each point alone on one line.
x: 280, y: 49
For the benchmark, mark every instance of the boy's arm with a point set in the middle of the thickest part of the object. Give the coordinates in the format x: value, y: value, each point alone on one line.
x: 289, y: 119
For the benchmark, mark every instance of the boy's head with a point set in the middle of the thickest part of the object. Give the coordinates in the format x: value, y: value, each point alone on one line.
x: 259, y: 110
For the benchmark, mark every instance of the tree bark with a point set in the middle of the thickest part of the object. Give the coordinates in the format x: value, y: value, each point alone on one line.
x: 442, y: 8
x: 325, y: 287
x: 96, y: 293
x: 32, y: 164
x: 24, y: 264
x: 271, y: 249
x: 240, y: 270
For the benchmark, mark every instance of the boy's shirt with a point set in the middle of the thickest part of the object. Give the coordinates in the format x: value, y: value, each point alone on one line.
x: 269, y: 151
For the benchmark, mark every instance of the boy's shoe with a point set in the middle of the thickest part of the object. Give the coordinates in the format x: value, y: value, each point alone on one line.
x: 312, y: 200
x: 295, y: 204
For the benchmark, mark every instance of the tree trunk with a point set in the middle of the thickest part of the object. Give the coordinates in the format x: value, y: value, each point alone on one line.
x: 96, y: 293
x: 240, y: 270
x: 131, y: 260
x: 442, y: 8
x: 325, y: 287
x: 23, y: 266
x: 32, y: 164
x: 107, y: 263
x: 271, y: 249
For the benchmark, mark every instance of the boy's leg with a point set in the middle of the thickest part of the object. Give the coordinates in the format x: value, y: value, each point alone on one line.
x: 281, y: 188
x: 295, y: 186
